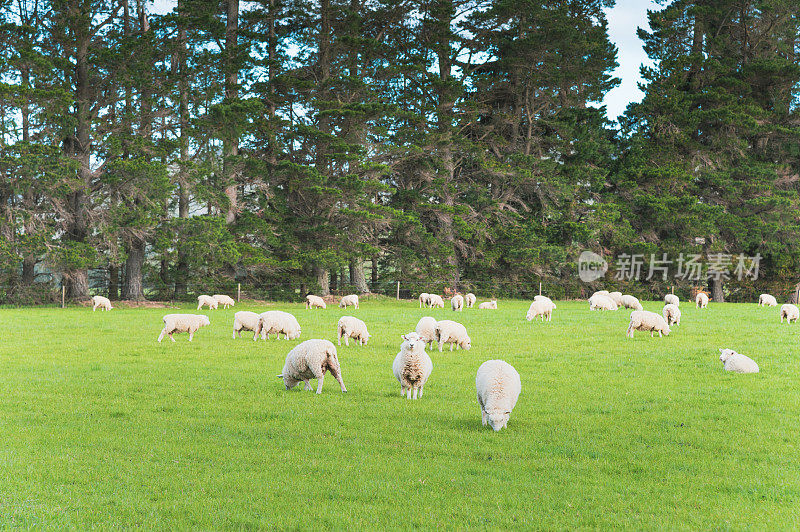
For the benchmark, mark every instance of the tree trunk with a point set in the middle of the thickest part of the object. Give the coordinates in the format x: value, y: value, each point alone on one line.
x: 231, y: 141
x: 182, y: 267
x: 716, y: 290
x: 28, y: 269
x: 374, y: 278
x: 357, y: 277
x: 323, y: 278
x: 113, y: 282
x: 133, y: 289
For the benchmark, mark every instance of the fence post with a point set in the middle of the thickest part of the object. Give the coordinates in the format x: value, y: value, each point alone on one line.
x: 540, y: 288
x: 238, y: 292
x: 398, y: 290
x: 672, y: 289
x: 63, y: 293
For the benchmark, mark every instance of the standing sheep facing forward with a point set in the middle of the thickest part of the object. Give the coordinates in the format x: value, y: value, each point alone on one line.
x: 313, y: 301
x: 435, y: 301
x: 245, y: 320
x: 225, y: 301
x: 790, y: 312
x: 352, y: 327
x: 736, y: 362
x: 102, y: 302
x: 426, y: 329
x: 644, y: 320
x: 310, y: 360
x: 412, y: 366
x: 349, y: 301
x: 278, y: 322
x: 767, y: 300
x: 672, y: 299
x: 629, y: 301
x: 179, y: 323
x: 453, y: 333
x: 672, y: 314
x: 469, y: 300
x: 701, y: 301
x: 207, y: 300
x: 488, y: 305
x: 498, y: 385
x: 457, y: 303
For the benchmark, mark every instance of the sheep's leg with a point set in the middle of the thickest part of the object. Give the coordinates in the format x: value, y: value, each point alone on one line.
x: 191, y: 334
x: 199, y: 306
x: 451, y: 345
x: 402, y: 391
x: 347, y: 339
x: 339, y: 336
x: 171, y: 338
x: 234, y: 334
x: 255, y: 336
x: 337, y: 374
x: 94, y: 308
x: 629, y: 332
x: 415, y: 392
x: 161, y: 336
x: 308, y: 385
x: 420, y: 391
x: 441, y: 344
x: 408, y: 392
x: 483, y: 417
x: 320, y: 380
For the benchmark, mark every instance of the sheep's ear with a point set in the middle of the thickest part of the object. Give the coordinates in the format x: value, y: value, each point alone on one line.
x: 721, y: 350
x: 403, y: 336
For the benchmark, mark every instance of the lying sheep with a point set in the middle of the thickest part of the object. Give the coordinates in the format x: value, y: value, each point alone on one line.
x: 629, y: 301
x: 102, y: 302
x: 701, y: 301
x: 424, y: 300
x: 488, y: 305
x: 601, y: 302
x: 179, y: 323
x: 245, y: 320
x: 672, y: 314
x: 435, y: 301
x: 672, y: 299
x: 498, y: 385
x: 453, y: 333
x: 644, y: 320
x: 224, y: 300
x: 310, y: 360
x: 426, y: 329
x: 767, y: 300
x: 736, y: 362
x: 412, y: 366
x: 470, y: 299
x: 351, y: 327
x: 457, y: 303
x: 541, y: 308
x: 349, y: 301
x: 616, y: 297
x: 207, y: 300
x: 280, y: 323
x: 790, y: 312
x: 313, y: 301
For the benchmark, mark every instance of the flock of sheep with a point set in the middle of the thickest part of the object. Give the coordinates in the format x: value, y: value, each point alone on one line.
x: 497, y: 383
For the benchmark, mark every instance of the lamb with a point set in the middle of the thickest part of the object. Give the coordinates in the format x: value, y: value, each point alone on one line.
x: 207, y: 300
x: 453, y: 333
x: 102, y: 302
x: 470, y: 299
x: 310, y: 360
x: 435, y: 301
x: 541, y: 308
x: 457, y: 303
x: 672, y: 314
x: 672, y: 299
x: 498, y: 385
x: 278, y: 322
x: 767, y: 300
x: 629, y: 301
x: 601, y: 302
x: 412, y: 366
x: 178, y: 323
x: 245, y: 320
x: 225, y: 301
x: 644, y: 320
x: 349, y: 301
x: 616, y: 297
x: 424, y: 299
x: 701, y: 301
x: 736, y: 362
x: 426, y: 329
x: 488, y: 305
x: 351, y: 327
x: 313, y: 301
x: 790, y: 312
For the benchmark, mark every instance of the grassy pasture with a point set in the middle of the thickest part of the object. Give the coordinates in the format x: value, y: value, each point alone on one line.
x: 102, y: 426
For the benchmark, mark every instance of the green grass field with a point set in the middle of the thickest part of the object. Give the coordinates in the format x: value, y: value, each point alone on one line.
x: 102, y: 426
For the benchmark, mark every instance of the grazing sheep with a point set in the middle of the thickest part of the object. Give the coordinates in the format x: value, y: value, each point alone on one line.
x: 701, y: 301
x: 179, y: 323
x: 435, y: 301
x: 453, y: 333
x: 424, y: 299
x: 629, y: 301
x: 426, y: 329
x: 470, y: 299
x: 412, y: 366
x: 601, y: 302
x: 457, y: 303
x: 313, y: 301
x: 601, y: 293
x: 245, y: 320
x: 644, y: 320
x: 351, y: 327
x: 736, y: 362
x: 498, y: 385
x: 616, y: 297
x: 225, y: 301
x: 207, y: 300
x: 102, y: 302
x: 488, y: 305
x: 541, y: 308
x: 278, y: 322
x: 545, y: 298
x: 672, y: 314
x: 767, y: 300
x: 310, y: 360
x: 672, y: 299
x: 790, y: 312
x: 349, y: 301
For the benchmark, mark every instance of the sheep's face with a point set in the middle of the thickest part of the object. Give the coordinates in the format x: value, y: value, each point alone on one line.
x: 725, y: 354
x: 498, y: 420
x: 412, y: 341
x: 205, y: 321
x: 666, y: 331
x: 466, y: 344
x: 529, y: 315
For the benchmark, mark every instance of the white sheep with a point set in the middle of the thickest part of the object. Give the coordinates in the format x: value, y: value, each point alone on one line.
x: 672, y: 299
x: 102, y: 302
x: 352, y: 327
x: 497, y: 385
x: 453, y: 333
x: 767, y: 300
x: 245, y: 320
x: 424, y: 299
x: 701, y: 301
x: 412, y: 366
x: 629, y: 301
x: 616, y: 297
x: 225, y: 301
x: 644, y: 320
x: 207, y: 300
x: 601, y: 302
x: 545, y: 298
x: 457, y: 303
x: 672, y: 314
x: 601, y: 293
x: 469, y: 300
x: 790, y: 312
x: 426, y: 329
x: 349, y: 301
x: 313, y: 301
x: 541, y: 308
x: 435, y: 301
x: 179, y: 323
x: 310, y: 360
x: 278, y: 322
x: 736, y: 362
x: 488, y: 305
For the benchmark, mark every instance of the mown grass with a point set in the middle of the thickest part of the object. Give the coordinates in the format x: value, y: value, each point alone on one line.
x: 102, y: 426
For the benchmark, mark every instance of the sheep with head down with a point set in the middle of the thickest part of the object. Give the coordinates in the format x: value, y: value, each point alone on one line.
x: 701, y: 300
x: 435, y: 301
x: 313, y: 301
x: 790, y: 312
x: 767, y: 300
x: 352, y: 327
x: 541, y: 308
x: 209, y: 301
x: 469, y: 300
x: 453, y: 333
x: 457, y: 303
x: 672, y: 299
x: 671, y: 314
x: 629, y: 301
x: 349, y: 301
x: 245, y: 320
x: 225, y: 301
x: 102, y: 302
x: 601, y: 302
x: 616, y: 297
x: 278, y: 322
x: 644, y: 320
x: 181, y: 323
x: 310, y: 360
x: 497, y: 385
x: 426, y: 329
